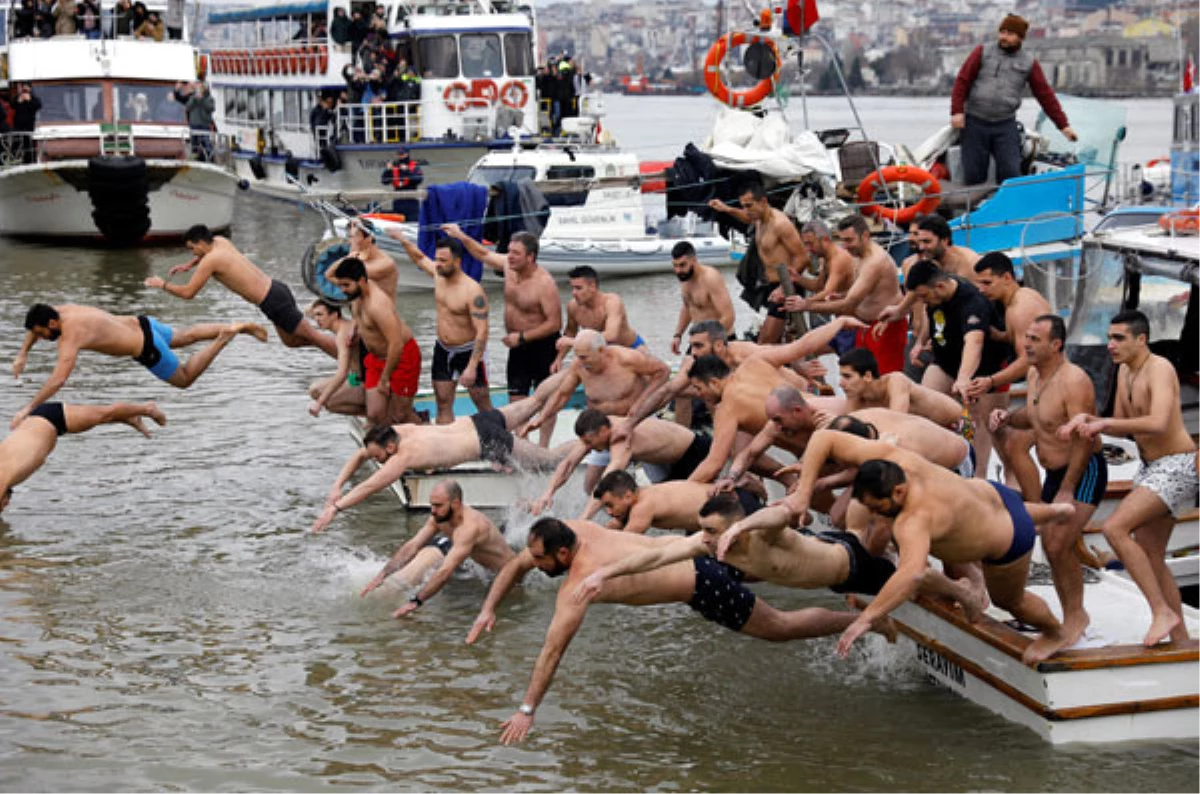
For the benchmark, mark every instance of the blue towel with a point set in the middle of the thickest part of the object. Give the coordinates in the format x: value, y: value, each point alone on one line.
x: 458, y: 202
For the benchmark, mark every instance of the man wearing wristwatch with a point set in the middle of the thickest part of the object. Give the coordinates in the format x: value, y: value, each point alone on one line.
x: 453, y: 533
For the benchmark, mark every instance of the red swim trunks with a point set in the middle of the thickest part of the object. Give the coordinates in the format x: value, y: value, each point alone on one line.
x: 888, y: 348
x: 404, y: 377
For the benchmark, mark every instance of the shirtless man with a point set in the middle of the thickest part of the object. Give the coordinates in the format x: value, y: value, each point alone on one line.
x: 532, y: 313
x: 453, y: 533
x: 1147, y: 409
x: 32, y: 440
x: 1076, y: 472
x: 666, y: 450
x: 837, y: 266
x: 392, y: 363
x: 768, y: 550
x: 705, y: 296
x: 875, y: 286
x: 934, y: 511
x: 756, y: 400
x: 667, y: 505
x: 217, y: 258
x: 578, y: 548
x: 779, y: 247
x: 858, y: 375
x: 935, y: 242
x: 486, y: 435
x: 335, y: 393
x: 612, y: 376
x: 144, y: 339
x: 589, y: 308
x: 462, y: 326
x: 381, y: 268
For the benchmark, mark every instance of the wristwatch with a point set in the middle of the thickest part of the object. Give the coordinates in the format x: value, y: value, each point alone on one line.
x: 525, y: 709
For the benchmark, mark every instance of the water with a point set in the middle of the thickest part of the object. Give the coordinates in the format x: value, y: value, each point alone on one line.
x: 167, y: 624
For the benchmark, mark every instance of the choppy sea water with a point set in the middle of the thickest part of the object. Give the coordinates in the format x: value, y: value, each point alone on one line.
x: 167, y: 624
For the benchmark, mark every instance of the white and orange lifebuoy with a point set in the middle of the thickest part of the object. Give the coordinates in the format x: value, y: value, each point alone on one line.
x: 514, y: 94
x: 712, y: 72
x: 931, y: 191
x: 1181, y: 221
x: 457, y: 97
x: 1158, y: 161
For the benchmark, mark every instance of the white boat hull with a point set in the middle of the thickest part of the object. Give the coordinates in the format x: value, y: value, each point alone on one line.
x: 51, y: 199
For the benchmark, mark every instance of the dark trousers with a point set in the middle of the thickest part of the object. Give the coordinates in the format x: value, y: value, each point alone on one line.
x: 982, y: 140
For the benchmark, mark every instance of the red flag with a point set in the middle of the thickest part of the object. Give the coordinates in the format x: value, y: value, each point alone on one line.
x: 801, y: 15
x: 1189, y: 76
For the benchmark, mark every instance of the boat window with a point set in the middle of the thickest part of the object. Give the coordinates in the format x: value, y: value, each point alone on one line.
x: 291, y: 109
x: 439, y: 56
x: 570, y: 172
x: 231, y: 111
x: 78, y: 102
x: 518, y: 58
x: 243, y: 104
x: 495, y: 174
x: 258, y: 106
x: 1187, y: 125
x: 147, y: 103
x: 1103, y: 282
x: 275, y: 99
x: 481, y: 55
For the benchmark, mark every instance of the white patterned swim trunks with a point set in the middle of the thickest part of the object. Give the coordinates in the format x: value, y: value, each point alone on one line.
x: 1172, y: 478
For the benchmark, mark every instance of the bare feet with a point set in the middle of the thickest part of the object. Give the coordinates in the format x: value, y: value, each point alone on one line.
x: 1046, y: 645
x: 155, y: 413
x: 253, y: 329
x: 1073, y: 627
x: 136, y: 423
x: 1161, y: 627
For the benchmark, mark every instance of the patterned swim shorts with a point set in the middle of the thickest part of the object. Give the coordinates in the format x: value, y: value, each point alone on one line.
x: 1172, y: 478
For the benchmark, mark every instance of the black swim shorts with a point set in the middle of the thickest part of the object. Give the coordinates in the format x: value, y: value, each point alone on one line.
x: 692, y: 457
x: 529, y: 364
x: 719, y: 595
x: 867, y: 574
x: 54, y: 414
x: 449, y: 363
x: 441, y: 543
x: 495, y: 441
x: 280, y: 307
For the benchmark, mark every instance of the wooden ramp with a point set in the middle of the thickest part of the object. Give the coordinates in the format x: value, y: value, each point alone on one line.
x: 1109, y: 688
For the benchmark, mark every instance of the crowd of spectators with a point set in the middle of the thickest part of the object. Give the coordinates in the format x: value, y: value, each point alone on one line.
x: 48, y: 18
x: 560, y: 84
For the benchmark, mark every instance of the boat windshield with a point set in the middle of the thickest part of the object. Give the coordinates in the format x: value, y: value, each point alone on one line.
x: 518, y: 58
x: 1100, y: 126
x: 1164, y: 300
x: 439, y: 56
x: 71, y: 103
x: 489, y: 175
x: 134, y: 102
x: 481, y: 55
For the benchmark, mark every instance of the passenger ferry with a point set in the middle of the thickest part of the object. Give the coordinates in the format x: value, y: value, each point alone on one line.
x: 111, y: 157
x: 471, y: 83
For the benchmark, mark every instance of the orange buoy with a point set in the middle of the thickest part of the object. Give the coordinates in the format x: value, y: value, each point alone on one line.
x: 659, y: 183
x: 395, y: 217
x: 457, y: 96
x: 1181, y: 221
x: 712, y: 72
x: 901, y: 216
x: 514, y: 94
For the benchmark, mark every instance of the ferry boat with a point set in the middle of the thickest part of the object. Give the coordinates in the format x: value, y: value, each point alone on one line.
x: 473, y: 65
x: 111, y: 157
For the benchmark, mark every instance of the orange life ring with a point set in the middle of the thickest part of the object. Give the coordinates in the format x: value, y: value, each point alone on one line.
x: 514, y: 94
x: 461, y: 94
x: 900, y: 216
x: 1181, y: 221
x: 1158, y: 160
x: 657, y: 167
x: 712, y: 72
x: 395, y: 217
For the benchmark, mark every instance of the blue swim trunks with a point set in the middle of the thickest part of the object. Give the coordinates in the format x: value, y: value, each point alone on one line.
x: 639, y: 342
x: 1024, y: 532
x: 156, y: 354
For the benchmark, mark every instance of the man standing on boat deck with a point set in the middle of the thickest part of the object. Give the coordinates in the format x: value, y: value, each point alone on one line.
x: 935, y: 511
x: 454, y: 533
x: 985, y: 99
x: 935, y: 243
x: 779, y: 248
x: 144, y: 339
x: 875, y: 286
x: 462, y: 326
x: 532, y: 313
x: 392, y: 364
x: 705, y: 296
x: 1147, y: 409
x: 836, y: 276
x: 600, y: 311
x: 216, y: 257
x: 1076, y: 471
x: 578, y: 548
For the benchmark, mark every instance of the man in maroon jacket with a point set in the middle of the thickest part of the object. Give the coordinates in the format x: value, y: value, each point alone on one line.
x: 985, y: 99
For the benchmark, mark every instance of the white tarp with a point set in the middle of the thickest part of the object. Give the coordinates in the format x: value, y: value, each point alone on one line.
x: 743, y: 142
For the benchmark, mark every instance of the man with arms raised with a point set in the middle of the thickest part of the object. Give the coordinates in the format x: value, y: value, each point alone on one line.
x: 667, y: 505
x: 532, y: 313
x: 705, y: 296
x: 1147, y: 409
x: 144, y: 339
x: 603, y: 312
x: 875, y: 287
x: 485, y: 435
x: 392, y: 364
x: 454, y: 532
x: 934, y: 511
x: 32, y: 440
x: 779, y: 248
x: 1076, y: 471
x: 462, y: 326
x: 217, y: 258
x: 578, y: 548
x: 381, y: 268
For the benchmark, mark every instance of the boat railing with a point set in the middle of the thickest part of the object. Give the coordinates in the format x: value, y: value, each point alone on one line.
x: 167, y: 142
x: 377, y: 122
x: 300, y: 57
x: 17, y: 148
